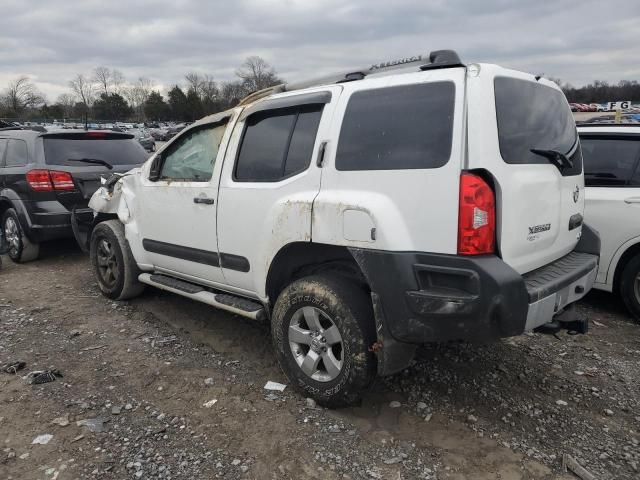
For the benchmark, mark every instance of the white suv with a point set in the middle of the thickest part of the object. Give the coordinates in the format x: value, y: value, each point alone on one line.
x: 612, y: 176
x: 412, y: 201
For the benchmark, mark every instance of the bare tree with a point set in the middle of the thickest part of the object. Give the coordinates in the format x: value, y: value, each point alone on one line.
x: 117, y: 81
x: 22, y: 94
x: 257, y: 74
x: 83, y: 89
x: 102, y: 77
x: 194, y: 83
x: 66, y: 101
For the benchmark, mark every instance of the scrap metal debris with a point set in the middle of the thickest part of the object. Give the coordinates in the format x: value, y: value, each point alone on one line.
x: 42, y: 376
x: 95, y: 425
x: 568, y: 462
x: 278, y: 387
x: 42, y: 439
x: 13, y: 367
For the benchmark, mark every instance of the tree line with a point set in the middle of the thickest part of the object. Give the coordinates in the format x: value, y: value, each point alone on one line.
x: 105, y: 94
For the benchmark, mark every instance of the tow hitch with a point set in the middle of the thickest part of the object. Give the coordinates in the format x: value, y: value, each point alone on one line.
x: 566, y: 320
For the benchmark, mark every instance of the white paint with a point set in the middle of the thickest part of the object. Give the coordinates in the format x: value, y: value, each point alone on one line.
x: 615, y: 213
x: 526, y: 195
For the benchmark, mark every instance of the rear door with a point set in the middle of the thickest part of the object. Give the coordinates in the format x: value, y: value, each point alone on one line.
x: 75, y: 152
x: 539, y: 196
x: 612, y: 191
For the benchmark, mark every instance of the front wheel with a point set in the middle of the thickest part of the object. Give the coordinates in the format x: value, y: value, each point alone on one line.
x: 113, y: 263
x: 322, y: 327
x: 20, y: 248
x: 630, y: 286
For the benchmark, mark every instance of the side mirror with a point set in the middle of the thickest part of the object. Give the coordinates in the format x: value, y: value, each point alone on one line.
x: 156, y: 166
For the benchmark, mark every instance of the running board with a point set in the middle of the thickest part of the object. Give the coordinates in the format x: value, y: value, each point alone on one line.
x: 224, y: 301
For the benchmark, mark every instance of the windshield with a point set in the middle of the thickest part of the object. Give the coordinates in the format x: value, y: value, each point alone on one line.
x: 115, y: 151
x: 534, y: 116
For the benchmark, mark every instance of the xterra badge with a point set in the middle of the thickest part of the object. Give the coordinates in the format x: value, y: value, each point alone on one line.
x: 539, y: 228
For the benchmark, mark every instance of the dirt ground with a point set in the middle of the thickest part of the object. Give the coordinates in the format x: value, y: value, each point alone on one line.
x: 142, y: 371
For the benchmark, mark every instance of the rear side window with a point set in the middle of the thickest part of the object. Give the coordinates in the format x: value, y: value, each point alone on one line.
x: 114, y: 150
x: 534, y: 116
x: 402, y: 127
x: 277, y: 144
x: 16, y: 153
x: 609, y: 161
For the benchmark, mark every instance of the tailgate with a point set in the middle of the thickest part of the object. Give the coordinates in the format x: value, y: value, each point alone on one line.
x: 539, y: 195
x: 84, y: 155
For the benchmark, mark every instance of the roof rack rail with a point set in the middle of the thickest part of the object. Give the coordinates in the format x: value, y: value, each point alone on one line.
x: 435, y: 60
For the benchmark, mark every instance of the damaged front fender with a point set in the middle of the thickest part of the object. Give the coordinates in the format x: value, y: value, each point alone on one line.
x: 104, y: 204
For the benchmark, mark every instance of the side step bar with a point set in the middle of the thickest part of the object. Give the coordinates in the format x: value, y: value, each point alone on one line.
x: 224, y: 301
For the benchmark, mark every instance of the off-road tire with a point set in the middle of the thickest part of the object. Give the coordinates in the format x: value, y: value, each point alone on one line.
x: 25, y: 250
x: 350, y: 309
x: 629, y: 287
x: 125, y: 284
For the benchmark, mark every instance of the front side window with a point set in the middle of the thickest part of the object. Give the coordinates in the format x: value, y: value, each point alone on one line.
x: 609, y: 161
x: 193, y: 157
x: 532, y: 116
x: 16, y: 153
x: 402, y: 127
x: 277, y: 143
x: 3, y: 148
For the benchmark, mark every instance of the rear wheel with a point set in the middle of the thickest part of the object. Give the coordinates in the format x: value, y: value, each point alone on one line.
x: 322, y: 327
x: 20, y: 248
x: 113, y: 263
x: 630, y: 286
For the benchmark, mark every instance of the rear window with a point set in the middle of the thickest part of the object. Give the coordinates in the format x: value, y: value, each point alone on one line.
x: 115, y: 150
x: 402, y: 127
x: 534, y: 116
x: 609, y: 161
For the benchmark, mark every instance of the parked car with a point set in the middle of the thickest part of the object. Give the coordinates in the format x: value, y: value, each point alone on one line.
x: 44, y: 176
x: 171, y: 132
x: 612, y: 177
x: 363, y: 216
x: 145, y: 138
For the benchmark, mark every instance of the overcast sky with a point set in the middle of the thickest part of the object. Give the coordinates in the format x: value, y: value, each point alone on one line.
x: 51, y: 40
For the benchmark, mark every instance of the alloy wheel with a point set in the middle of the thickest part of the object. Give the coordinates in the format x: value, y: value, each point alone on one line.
x: 107, y: 263
x: 12, y: 235
x: 316, y: 344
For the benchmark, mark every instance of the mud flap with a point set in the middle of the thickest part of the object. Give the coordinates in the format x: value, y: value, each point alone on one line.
x: 393, y: 356
x: 82, y: 224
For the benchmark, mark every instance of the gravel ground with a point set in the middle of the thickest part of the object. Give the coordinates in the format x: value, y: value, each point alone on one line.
x: 136, y: 399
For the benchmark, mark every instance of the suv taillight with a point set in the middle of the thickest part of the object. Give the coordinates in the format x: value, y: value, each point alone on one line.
x: 48, y: 180
x: 476, y: 217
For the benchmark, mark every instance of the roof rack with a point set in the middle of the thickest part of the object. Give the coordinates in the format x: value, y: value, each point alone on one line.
x: 435, y: 60
x: 607, y: 124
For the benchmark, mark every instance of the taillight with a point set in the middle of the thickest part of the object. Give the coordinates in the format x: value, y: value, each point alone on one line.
x: 48, y: 180
x: 39, y: 180
x: 61, y: 180
x: 476, y: 217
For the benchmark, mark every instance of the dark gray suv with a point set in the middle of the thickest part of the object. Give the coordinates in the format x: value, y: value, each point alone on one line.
x: 44, y: 176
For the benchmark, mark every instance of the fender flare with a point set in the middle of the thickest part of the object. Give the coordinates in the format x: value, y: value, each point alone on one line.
x: 615, y: 259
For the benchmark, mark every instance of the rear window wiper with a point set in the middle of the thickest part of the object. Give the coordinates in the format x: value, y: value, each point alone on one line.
x: 559, y: 159
x: 95, y: 161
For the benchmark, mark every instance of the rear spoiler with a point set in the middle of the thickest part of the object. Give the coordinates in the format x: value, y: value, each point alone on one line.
x: 88, y: 135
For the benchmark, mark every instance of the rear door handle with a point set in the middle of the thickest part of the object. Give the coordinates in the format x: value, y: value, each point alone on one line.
x: 632, y: 200
x: 204, y: 200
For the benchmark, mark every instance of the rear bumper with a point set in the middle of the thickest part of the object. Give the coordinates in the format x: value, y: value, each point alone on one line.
x: 44, y: 221
x: 426, y: 297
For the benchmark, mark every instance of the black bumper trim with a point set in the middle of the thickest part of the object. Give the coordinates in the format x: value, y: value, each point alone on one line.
x: 427, y: 297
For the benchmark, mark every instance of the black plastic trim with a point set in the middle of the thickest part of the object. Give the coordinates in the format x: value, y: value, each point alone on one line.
x: 206, y: 257
x: 234, y: 262
x: 315, y: 98
x: 178, y: 251
x: 589, y: 241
